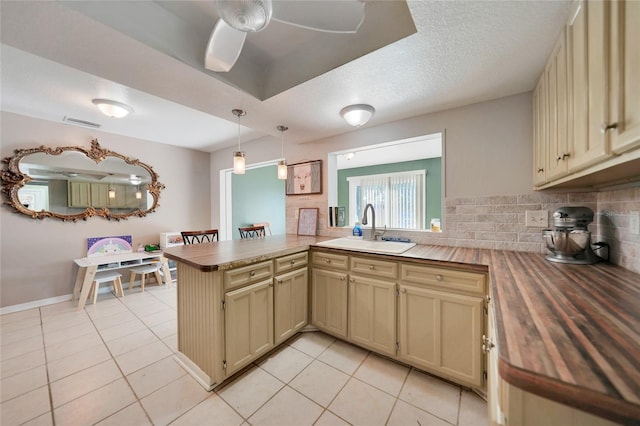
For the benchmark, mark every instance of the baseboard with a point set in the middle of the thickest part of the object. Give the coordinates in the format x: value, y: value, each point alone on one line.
x: 34, y: 304
x: 201, y: 377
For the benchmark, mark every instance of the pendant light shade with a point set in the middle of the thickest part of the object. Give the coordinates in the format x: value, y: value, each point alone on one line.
x: 357, y: 115
x: 282, y: 164
x: 238, y: 163
x: 138, y: 193
x: 112, y: 193
x: 238, y: 156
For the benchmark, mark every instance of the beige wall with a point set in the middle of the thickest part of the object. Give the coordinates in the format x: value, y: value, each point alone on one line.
x: 488, y: 164
x: 36, y: 256
x: 488, y: 151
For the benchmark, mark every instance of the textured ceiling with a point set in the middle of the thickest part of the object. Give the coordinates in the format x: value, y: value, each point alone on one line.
x: 56, y: 59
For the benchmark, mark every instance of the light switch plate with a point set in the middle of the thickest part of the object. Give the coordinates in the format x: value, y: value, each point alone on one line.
x: 537, y: 218
x: 634, y: 222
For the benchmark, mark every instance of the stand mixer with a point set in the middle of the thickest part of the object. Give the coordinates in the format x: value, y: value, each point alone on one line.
x: 570, y: 240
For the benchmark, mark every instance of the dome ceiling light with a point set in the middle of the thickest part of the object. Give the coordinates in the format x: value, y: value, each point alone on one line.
x: 112, y: 109
x: 357, y: 115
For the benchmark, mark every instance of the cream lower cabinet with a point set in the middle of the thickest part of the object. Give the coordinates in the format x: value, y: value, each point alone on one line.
x: 437, y: 322
x: 290, y: 303
x: 248, y: 324
x: 329, y: 301
x: 512, y: 406
x: 372, y: 313
x: 441, y: 322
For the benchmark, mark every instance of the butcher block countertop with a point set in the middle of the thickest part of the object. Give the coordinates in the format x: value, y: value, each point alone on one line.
x: 569, y: 333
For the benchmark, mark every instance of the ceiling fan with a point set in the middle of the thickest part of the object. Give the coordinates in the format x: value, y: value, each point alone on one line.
x: 238, y: 17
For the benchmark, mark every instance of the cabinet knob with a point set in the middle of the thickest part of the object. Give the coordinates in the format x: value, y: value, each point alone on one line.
x: 604, y: 127
x: 252, y: 273
x: 328, y: 260
x: 351, y: 280
x: 487, y: 347
x: 342, y: 278
x: 540, y: 170
x: 293, y: 262
x: 403, y: 290
x: 439, y: 277
x: 279, y: 281
x: 372, y: 268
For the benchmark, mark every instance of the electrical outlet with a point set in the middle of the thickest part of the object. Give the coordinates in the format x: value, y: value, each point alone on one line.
x: 634, y: 222
x: 537, y: 218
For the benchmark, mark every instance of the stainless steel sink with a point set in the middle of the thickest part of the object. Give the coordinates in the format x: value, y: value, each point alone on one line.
x: 358, y: 244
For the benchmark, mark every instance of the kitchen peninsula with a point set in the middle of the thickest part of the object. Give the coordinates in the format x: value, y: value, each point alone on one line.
x: 565, y: 333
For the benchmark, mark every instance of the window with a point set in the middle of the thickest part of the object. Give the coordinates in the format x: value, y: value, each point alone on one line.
x: 398, y: 198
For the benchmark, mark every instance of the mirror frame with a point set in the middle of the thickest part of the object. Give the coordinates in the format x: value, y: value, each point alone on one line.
x: 13, y: 179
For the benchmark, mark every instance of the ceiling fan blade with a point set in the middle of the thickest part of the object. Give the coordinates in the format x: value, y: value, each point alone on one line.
x: 341, y: 16
x: 224, y: 47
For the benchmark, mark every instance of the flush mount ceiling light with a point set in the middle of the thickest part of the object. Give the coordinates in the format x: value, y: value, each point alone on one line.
x: 112, y: 109
x: 282, y: 164
x: 357, y: 115
x: 238, y: 156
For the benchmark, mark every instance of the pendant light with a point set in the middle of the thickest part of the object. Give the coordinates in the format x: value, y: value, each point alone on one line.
x: 238, y: 156
x: 111, y: 190
x: 138, y: 193
x: 282, y: 164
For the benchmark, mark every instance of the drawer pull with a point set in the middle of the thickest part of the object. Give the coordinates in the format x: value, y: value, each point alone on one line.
x: 293, y: 262
x: 439, y: 277
x: 328, y: 260
x: 252, y: 273
x: 372, y: 268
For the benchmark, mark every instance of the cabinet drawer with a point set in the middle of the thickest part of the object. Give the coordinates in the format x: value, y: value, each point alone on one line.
x: 288, y: 263
x: 333, y: 261
x: 446, y: 279
x: 247, y: 274
x: 379, y: 268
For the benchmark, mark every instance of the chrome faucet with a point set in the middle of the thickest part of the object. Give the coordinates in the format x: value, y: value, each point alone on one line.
x: 374, y: 234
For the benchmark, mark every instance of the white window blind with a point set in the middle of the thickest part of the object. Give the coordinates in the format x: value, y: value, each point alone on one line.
x: 398, y: 198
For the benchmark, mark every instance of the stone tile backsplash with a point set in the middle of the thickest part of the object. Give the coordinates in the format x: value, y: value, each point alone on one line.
x: 498, y: 222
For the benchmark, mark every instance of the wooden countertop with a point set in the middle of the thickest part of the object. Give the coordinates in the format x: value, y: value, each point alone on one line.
x: 234, y: 253
x: 569, y: 333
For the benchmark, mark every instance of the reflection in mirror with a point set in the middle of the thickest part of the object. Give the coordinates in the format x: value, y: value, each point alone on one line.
x: 73, y: 183
x: 403, y: 180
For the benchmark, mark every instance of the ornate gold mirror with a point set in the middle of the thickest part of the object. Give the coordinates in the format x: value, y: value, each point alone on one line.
x: 71, y: 183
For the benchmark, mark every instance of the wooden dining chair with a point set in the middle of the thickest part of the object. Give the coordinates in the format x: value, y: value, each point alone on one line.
x: 199, y: 237
x: 252, y: 232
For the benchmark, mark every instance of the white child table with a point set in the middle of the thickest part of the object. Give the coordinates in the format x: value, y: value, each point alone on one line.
x: 88, y: 266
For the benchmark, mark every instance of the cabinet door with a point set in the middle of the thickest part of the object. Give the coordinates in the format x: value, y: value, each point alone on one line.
x: 248, y: 324
x: 79, y: 194
x: 419, y: 324
x: 442, y: 332
x: 372, y: 313
x: 290, y: 304
x: 329, y: 301
x: 540, y: 135
x: 588, y: 88
x: 555, y: 74
x: 461, y: 328
x: 625, y: 75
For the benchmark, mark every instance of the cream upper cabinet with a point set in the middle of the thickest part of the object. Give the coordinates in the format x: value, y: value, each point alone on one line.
x: 588, y: 36
x: 540, y: 134
x: 290, y: 302
x: 586, y: 105
x: 79, y: 194
x: 555, y: 76
x: 625, y: 76
x: 248, y: 324
x: 372, y: 313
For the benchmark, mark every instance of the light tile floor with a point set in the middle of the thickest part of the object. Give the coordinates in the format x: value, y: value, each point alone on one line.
x: 112, y: 364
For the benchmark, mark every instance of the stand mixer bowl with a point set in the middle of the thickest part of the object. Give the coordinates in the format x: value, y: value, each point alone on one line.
x: 565, y: 242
